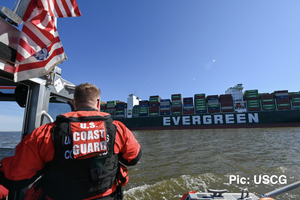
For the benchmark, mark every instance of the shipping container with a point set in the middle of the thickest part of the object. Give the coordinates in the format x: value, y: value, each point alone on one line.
x: 266, y: 96
x: 269, y: 107
x: 199, y: 96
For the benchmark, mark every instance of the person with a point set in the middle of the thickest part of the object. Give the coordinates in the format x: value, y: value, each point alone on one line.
x: 79, y: 156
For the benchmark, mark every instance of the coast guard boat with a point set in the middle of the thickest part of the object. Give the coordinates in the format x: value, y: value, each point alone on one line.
x: 41, y: 98
x: 244, y: 195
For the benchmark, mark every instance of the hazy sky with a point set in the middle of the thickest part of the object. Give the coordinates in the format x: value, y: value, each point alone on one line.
x: 165, y: 47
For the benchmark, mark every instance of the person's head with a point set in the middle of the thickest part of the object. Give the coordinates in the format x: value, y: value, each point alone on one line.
x: 86, y: 95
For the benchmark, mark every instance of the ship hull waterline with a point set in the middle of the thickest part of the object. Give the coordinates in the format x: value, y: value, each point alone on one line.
x: 260, y: 119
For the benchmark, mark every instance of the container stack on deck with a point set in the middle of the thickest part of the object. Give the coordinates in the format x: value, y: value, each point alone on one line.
x: 154, y: 102
x: 295, y: 97
x: 111, y: 108
x: 165, y: 107
x: 188, y: 106
x: 200, y: 103
x: 282, y: 99
x: 279, y: 100
x: 267, y: 101
x: 213, y: 103
x: 135, y: 111
x: 120, y: 109
x: 176, y: 104
x: 143, y: 108
x: 226, y: 103
x: 252, y: 99
x: 103, y: 106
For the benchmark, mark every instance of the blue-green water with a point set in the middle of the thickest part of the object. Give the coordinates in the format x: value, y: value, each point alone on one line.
x: 175, y: 162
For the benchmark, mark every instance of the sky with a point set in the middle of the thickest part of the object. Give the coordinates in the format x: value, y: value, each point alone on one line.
x: 165, y: 47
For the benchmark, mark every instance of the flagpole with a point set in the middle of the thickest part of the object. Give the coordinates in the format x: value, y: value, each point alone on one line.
x: 16, y: 6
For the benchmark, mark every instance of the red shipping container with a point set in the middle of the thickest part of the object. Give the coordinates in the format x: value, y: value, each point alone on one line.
x: 212, y: 96
x: 254, y: 109
x: 213, y: 111
x: 281, y: 91
x: 188, y: 112
x: 156, y: 109
x: 227, y: 110
x: 227, y: 103
x: 176, y: 109
x: 284, y: 107
x: 295, y: 96
x: 225, y: 97
x: 267, y: 96
x: 286, y: 100
x: 268, y: 102
x: 144, y: 103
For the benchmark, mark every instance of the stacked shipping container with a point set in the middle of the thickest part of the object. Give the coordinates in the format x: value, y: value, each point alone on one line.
x: 143, y: 108
x: 213, y: 103
x: 282, y: 99
x: 154, y: 102
x: 252, y: 99
x: 200, y: 103
x: 267, y: 101
x: 226, y: 103
x: 295, y: 98
x: 103, y: 106
x: 176, y: 104
x: 165, y: 107
x: 188, y: 106
x: 120, y: 109
x: 135, y: 111
x: 111, y: 108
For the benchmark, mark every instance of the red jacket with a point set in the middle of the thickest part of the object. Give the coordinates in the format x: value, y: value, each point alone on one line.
x: 37, y: 148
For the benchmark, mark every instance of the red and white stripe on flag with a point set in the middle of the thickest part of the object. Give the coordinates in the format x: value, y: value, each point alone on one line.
x: 40, y: 49
x: 60, y: 8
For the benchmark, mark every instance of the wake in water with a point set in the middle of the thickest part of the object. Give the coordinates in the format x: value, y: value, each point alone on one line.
x: 174, y: 188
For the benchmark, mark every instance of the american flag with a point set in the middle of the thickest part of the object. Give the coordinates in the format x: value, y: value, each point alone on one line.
x: 40, y: 49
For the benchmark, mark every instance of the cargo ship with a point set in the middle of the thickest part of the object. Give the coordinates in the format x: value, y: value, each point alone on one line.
x: 234, y: 109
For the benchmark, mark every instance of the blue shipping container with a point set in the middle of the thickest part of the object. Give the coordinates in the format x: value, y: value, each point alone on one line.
x: 214, y: 108
x: 187, y: 105
x: 165, y: 106
x: 188, y: 100
x: 188, y: 109
x: 213, y: 98
x: 154, y: 104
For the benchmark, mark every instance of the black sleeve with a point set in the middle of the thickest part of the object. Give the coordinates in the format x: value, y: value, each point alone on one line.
x: 17, y: 185
x: 132, y: 162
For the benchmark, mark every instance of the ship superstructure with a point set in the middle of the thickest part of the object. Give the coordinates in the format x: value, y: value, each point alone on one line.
x: 238, y: 98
